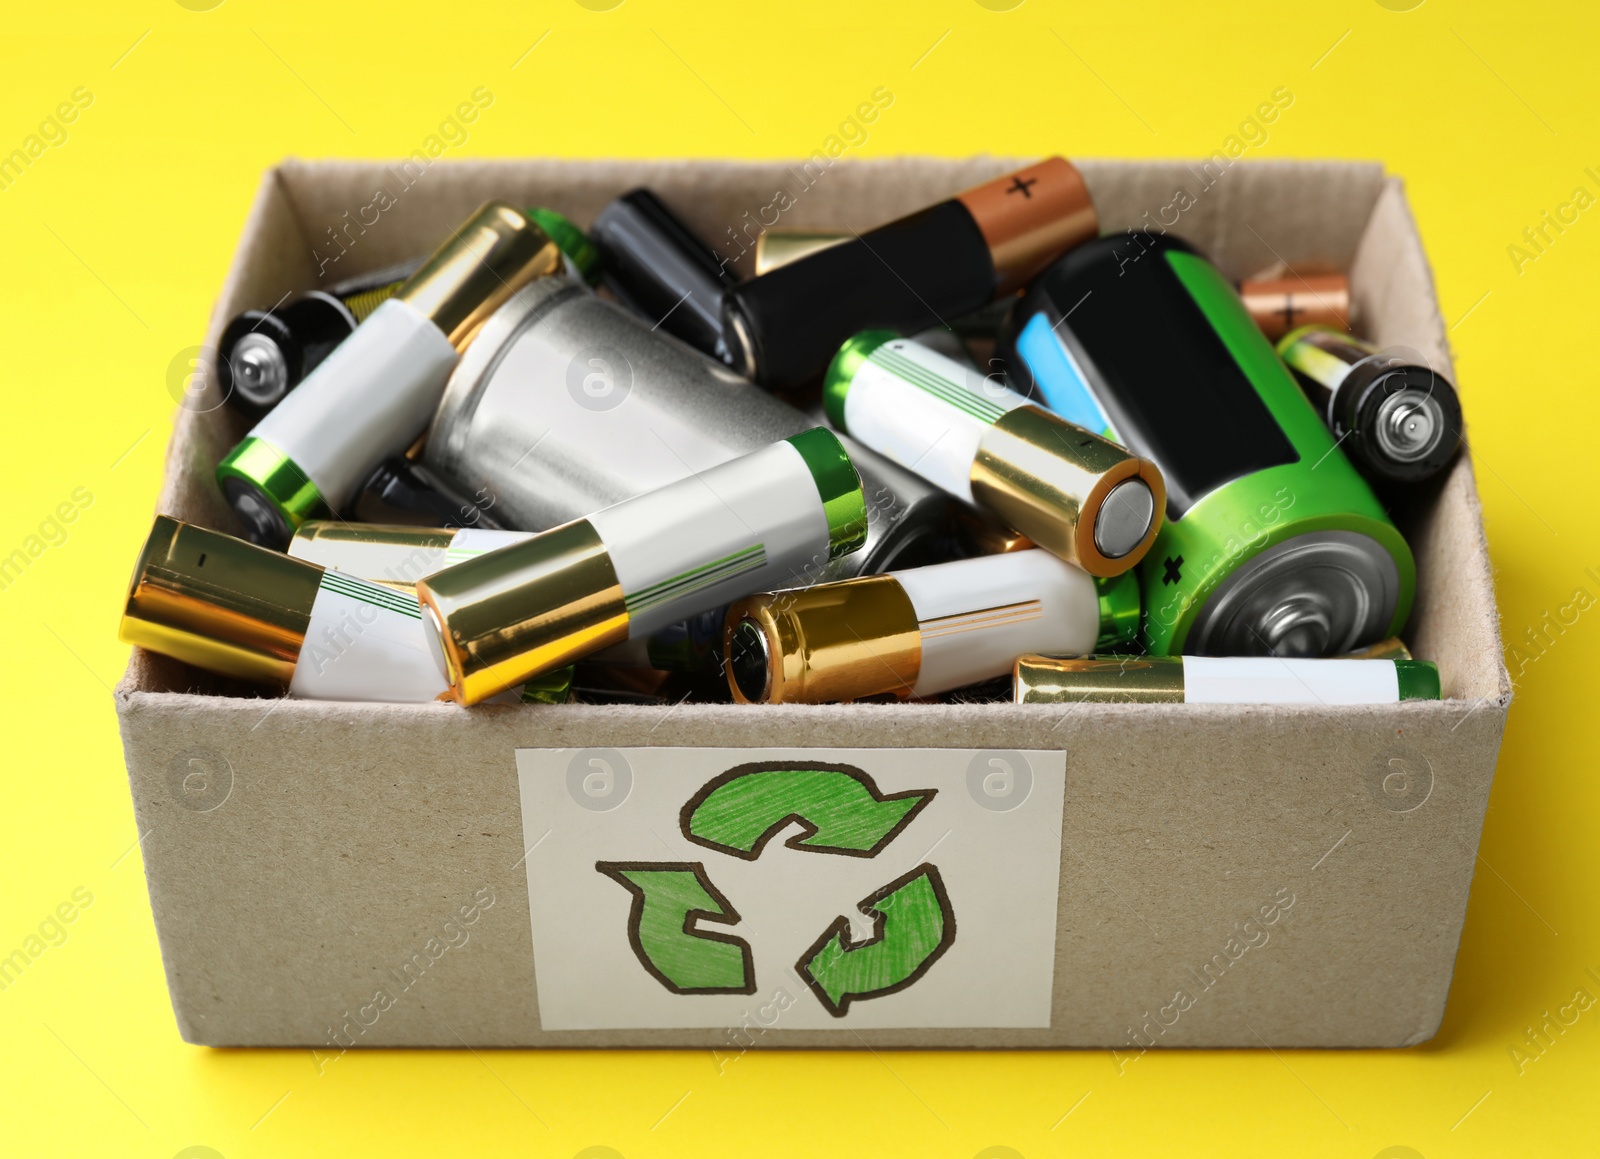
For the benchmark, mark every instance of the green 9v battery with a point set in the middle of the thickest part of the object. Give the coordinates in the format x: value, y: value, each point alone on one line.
x: 1273, y: 544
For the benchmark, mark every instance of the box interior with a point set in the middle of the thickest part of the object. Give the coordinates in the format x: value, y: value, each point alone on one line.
x: 316, y: 223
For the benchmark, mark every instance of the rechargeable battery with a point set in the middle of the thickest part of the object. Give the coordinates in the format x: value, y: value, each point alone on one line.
x: 230, y: 607
x: 1273, y: 543
x: 920, y: 632
x: 399, y: 555
x: 910, y: 275
x: 1282, y: 304
x: 567, y: 404
x: 1222, y: 680
x: 766, y: 520
x: 1069, y: 490
x: 1398, y: 420
x: 375, y: 393
x: 657, y: 266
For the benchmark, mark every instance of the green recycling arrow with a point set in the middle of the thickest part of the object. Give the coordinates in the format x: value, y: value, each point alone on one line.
x: 838, y: 805
x: 668, y: 898
x: 914, y: 925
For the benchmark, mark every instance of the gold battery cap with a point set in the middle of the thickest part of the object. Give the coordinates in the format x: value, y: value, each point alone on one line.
x: 1078, y: 496
x: 219, y: 603
x: 491, y: 257
x: 838, y: 641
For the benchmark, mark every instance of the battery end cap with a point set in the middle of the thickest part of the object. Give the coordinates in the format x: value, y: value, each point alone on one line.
x: 571, y: 240
x: 1417, y: 679
x: 842, y: 372
x: 839, y: 486
x: 270, y: 493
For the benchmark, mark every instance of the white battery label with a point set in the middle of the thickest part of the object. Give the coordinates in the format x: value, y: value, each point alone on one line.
x: 754, y: 524
x: 365, y: 642
x: 925, y: 411
x: 1273, y: 680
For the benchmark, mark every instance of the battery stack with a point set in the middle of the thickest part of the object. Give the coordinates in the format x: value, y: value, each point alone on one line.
x: 980, y: 452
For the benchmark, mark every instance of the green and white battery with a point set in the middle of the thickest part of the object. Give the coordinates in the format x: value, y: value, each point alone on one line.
x: 1273, y: 543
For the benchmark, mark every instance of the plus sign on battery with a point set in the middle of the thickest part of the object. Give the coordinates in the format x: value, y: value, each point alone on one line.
x: 1018, y: 185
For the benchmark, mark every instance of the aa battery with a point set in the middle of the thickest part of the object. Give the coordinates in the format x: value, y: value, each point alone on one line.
x: 230, y: 607
x: 399, y: 556
x: 264, y: 354
x: 656, y: 265
x: 1069, y: 490
x: 1282, y: 304
x: 374, y: 394
x: 567, y: 404
x: 394, y: 554
x: 919, y: 632
x: 1273, y: 544
x: 909, y: 275
x: 1398, y: 420
x: 760, y: 522
x: 1221, y: 680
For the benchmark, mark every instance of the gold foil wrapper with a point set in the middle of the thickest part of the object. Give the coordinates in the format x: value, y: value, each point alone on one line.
x: 839, y: 641
x: 507, y: 616
x: 219, y: 603
x: 1048, y: 479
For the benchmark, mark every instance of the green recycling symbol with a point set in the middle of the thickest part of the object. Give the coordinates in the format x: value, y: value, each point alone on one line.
x: 841, y: 813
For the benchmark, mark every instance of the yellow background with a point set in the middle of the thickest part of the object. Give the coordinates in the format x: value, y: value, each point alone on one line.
x: 114, y: 243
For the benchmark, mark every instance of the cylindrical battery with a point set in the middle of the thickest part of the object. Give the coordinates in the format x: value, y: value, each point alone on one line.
x: 373, y: 395
x: 567, y: 404
x: 919, y: 632
x: 1273, y: 543
x: 239, y: 610
x: 766, y: 520
x: 1067, y: 489
x: 1222, y: 680
x: 230, y: 607
x: 264, y: 354
x: 909, y: 275
x: 1397, y: 419
x: 394, y: 554
x: 399, y: 556
x: 657, y: 266
x: 1282, y: 304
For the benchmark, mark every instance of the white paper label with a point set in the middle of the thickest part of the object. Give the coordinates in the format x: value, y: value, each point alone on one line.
x: 365, y: 642
x: 753, y: 524
x: 675, y: 887
x: 925, y: 411
x: 1274, y: 680
x: 372, y: 396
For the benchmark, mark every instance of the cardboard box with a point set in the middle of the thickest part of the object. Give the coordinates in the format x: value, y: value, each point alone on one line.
x: 331, y: 874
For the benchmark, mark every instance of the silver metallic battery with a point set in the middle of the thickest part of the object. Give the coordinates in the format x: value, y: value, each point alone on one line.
x: 566, y: 404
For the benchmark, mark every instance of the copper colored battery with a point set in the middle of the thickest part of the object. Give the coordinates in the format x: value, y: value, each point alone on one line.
x: 1279, y: 305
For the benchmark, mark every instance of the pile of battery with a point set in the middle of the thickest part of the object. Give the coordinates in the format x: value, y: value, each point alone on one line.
x: 978, y: 453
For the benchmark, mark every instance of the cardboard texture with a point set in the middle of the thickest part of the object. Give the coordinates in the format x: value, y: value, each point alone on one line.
x: 327, y: 843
